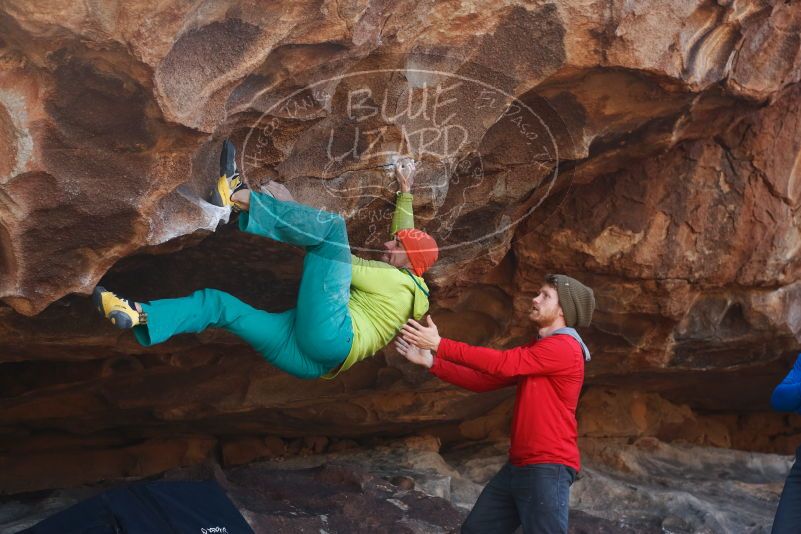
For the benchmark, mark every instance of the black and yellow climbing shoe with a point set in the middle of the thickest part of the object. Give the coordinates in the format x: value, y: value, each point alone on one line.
x: 121, y: 312
x: 230, y: 181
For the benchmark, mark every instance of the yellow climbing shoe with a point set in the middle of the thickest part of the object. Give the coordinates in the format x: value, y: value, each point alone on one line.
x: 230, y: 181
x: 221, y: 195
x: 121, y: 312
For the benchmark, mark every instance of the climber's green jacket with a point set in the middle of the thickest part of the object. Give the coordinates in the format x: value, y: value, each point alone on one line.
x: 383, y: 297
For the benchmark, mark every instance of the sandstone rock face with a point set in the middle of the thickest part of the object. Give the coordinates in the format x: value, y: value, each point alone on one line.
x: 650, y: 149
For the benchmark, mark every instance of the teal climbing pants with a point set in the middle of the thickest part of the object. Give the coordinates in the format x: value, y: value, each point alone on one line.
x: 307, y: 341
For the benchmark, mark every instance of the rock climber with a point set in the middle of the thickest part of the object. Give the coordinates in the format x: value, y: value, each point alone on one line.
x: 787, y: 398
x: 348, y: 308
x: 533, y: 488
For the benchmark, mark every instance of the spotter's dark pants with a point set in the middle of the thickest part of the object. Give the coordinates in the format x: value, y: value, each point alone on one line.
x: 536, y: 496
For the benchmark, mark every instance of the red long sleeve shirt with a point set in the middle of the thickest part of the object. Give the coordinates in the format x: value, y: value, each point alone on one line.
x: 548, y: 373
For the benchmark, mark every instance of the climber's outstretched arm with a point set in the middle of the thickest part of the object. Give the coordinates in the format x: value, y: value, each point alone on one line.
x: 404, y: 216
x: 374, y: 276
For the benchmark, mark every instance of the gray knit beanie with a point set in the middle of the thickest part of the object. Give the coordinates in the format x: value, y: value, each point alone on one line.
x: 576, y: 299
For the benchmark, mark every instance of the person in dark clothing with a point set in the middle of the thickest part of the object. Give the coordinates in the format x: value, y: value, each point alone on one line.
x: 533, y: 488
x: 787, y: 398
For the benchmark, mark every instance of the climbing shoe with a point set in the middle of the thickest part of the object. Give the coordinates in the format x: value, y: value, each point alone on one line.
x: 230, y: 181
x: 121, y: 312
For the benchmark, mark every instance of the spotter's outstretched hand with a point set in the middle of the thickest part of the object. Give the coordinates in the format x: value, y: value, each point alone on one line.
x: 424, y: 337
x: 414, y: 354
